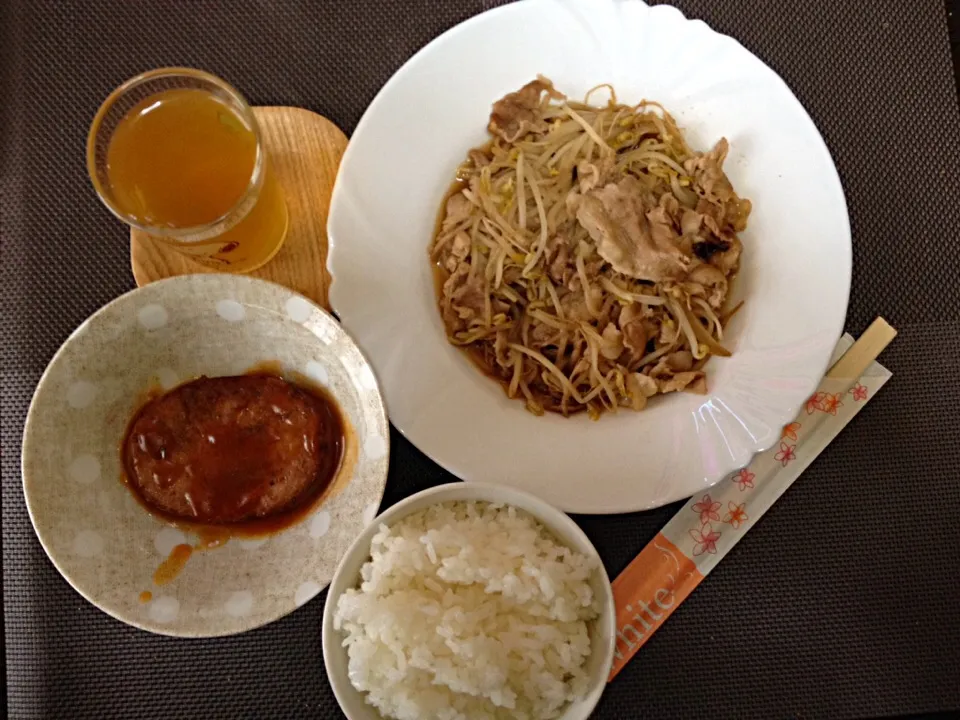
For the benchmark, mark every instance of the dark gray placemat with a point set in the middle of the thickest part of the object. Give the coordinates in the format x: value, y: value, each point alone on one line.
x: 842, y: 602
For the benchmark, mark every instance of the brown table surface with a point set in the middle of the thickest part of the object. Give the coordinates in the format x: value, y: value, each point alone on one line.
x: 842, y: 602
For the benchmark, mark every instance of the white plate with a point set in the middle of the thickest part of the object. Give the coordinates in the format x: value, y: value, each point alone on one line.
x: 795, y: 274
x: 103, y: 542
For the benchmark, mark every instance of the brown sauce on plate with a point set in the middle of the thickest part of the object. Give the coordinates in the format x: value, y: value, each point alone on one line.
x: 245, y: 455
x: 244, y: 451
x: 175, y: 562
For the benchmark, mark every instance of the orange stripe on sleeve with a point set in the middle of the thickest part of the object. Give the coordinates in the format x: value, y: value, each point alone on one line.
x: 646, y: 594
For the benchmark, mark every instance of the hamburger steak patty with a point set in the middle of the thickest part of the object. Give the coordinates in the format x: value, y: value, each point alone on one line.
x: 229, y: 449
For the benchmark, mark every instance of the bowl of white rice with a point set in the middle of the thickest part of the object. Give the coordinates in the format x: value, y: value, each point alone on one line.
x: 469, y: 601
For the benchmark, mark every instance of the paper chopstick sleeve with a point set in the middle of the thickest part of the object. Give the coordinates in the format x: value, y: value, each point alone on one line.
x: 647, y: 592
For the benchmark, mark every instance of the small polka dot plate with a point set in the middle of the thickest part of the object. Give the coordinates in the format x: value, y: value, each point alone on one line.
x: 107, y: 545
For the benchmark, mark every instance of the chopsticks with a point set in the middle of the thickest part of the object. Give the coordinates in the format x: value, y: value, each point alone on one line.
x: 854, y: 362
x: 711, y: 523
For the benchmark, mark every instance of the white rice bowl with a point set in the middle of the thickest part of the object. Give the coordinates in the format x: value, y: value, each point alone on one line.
x: 470, y: 610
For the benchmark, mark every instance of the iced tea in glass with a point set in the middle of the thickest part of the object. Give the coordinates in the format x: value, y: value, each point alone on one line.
x: 177, y: 153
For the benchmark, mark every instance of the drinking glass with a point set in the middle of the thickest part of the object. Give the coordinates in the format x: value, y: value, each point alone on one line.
x: 177, y: 153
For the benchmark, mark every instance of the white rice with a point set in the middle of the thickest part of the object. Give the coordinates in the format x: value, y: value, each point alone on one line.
x: 469, y: 611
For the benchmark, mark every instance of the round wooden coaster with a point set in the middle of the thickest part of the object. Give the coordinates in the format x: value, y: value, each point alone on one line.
x: 305, y: 151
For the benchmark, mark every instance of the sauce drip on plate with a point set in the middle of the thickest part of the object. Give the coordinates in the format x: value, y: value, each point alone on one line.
x: 171, y: 567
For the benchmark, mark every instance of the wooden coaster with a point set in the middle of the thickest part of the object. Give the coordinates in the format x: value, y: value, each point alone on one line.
x: 305, y: 151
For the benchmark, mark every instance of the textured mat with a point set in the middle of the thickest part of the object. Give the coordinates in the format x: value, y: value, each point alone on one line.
x: 841, y: 603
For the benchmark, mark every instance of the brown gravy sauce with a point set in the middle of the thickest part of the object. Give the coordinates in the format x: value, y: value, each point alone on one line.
x: 175, y: 562
x: 241, y: 456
